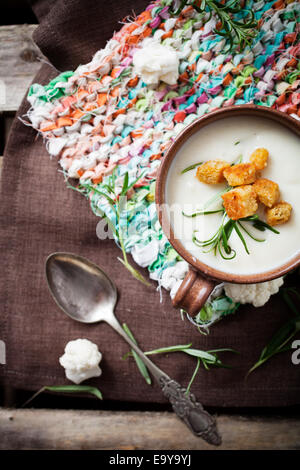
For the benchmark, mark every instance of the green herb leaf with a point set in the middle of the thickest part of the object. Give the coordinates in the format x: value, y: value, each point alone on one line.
x: 138, y: 276
x: 238, y: 33
x: 169, y: 349
x: 235, y: 226
x: 280, y: 341
x: 67, y: 389
x: 195, y: 214
x: 193, y: 376
x: 202, y: 354
x: 141, y: 366
x: 125, y: 184
x: 191, y: 167
x: 239, y: 158
x: 250, y: 234
x: 257, y: 222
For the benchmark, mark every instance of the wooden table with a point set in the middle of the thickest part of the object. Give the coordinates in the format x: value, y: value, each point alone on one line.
x: 99, y: 429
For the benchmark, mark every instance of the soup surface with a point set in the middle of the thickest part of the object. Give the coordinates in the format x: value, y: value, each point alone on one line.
x: 228, y: 139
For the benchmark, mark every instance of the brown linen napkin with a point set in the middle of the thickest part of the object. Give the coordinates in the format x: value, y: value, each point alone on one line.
x: 39, y: 215
x: 73, y: 30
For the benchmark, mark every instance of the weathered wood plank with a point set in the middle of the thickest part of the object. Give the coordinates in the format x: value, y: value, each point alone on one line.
x: 19, y: 62
x: 61, y: 429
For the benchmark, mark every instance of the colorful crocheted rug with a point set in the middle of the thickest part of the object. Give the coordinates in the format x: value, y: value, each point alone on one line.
x: 103, y: 119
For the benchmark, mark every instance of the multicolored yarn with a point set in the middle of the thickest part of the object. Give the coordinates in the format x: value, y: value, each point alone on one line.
x: 103, y: 117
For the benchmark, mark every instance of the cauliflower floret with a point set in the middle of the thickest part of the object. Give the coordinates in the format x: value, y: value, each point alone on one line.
x: 156, y: 62
x: 255, y: 294
x: 81, y: 360
x: 144, y: 255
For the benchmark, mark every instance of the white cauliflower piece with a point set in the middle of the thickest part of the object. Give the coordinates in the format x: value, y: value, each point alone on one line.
x: 81, y: 360
x: 156, y: 62
x: 255, y: 294
x: 144, y: 255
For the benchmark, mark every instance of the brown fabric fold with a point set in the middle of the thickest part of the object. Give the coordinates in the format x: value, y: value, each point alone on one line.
x: 41, y: 8
x: 39, y: 215
x: 73, y: 30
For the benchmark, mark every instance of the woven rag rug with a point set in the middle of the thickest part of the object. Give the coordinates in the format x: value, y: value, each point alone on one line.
x: 102, y: 119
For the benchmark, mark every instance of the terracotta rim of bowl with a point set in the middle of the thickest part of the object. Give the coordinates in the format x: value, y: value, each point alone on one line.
x: 223, y: 113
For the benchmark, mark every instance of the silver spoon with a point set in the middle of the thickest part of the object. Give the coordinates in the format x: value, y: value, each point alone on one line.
x: 86, y: 294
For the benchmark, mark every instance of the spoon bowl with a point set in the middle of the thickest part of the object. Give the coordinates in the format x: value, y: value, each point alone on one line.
x: 80, y: 288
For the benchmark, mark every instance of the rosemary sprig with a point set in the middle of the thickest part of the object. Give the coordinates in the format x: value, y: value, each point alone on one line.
x: 238, y: 33
x: 206, y: 358
x: 66, y: 389
x: 281, y: 341
x: 117, y: 203
x: 219, y: 241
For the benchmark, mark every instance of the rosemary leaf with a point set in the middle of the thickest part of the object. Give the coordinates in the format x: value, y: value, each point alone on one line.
x: 195, y: 214
x: 239, y: 158
x: 235, y: 226
x: 193, y: 376
x: 201, y: 354
x: 211, y: 351
x: 169, y: 349
x: 67, y: 389
x: 134, y: 272
x: 249, y: 234
x: 141, y: 366
x: 191, y: 167
x: 257, y: 222
x: 280, y: 341
x: 125, y: 184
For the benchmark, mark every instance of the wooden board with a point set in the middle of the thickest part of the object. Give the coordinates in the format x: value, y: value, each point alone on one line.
x: 19, y: 62
x: 61, y: 429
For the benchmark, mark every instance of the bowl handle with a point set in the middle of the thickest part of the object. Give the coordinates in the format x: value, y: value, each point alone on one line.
x: 193, y: 292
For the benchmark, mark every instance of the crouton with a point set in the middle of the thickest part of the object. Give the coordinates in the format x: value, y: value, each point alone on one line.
x: 267, y: 191
x: 240, y: 202
x: 259, y: 158
x: 211, y: 172
x: 279, y: 214
x: 242, y: 173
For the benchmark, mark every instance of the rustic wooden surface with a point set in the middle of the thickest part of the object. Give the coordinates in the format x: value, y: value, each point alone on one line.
x: 68, y: 429
x: 61, y: 429
x: 19, y: 62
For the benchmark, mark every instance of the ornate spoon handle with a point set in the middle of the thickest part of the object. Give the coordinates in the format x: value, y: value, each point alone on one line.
x: 201, y: 423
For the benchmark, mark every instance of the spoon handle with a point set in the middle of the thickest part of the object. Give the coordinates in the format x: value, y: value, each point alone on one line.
x: 185, y: 405
x: 192, y: 413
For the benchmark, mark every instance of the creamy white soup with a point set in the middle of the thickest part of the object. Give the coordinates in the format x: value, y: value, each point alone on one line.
x: 228, y: 139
